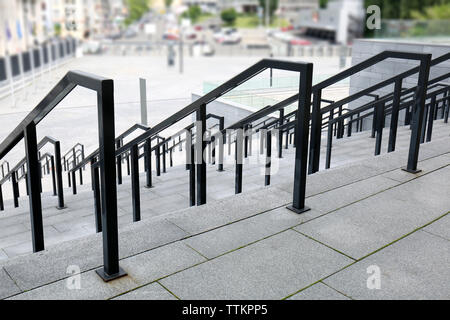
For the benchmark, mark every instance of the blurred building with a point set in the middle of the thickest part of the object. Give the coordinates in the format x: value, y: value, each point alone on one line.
x: 25, y: 23
x: 241, y: 6
x: 341, y: 22
x: 290, y: 9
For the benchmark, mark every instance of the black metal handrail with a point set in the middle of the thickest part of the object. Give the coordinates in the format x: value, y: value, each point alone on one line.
x: 379, y: 114
x: 27, y: 130
x: 422, y: 69
x: 57, y: 155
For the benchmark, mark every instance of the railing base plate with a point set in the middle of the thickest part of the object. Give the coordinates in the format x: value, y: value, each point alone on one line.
x: 290, y: 207
x: 411, y: 171
x: 147, y: 187
x: 60, y: 208
x: 106, y: 277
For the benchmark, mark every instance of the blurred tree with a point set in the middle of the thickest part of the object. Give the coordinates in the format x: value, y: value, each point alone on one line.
x: 228, y: 16
x: 409, y: 9
x: 193, y: 13
x: 136, y: 8
x: 273, y: 6
x: 402, y: 9
x: 168, y: 3
x: 438, y: 12
x: 323, y: 4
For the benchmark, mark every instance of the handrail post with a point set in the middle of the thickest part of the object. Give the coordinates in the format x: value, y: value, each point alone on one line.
x: 52, y: 162
x: 33, y: 168
x: 15, y: 189
x: 446, y: 105
x: 316, y: 132
x: 424, y: 124
x: 188, y: 150
x: 119, y: 163
x: 280, y: 134
x: 158, y: 160
x: 329, y: 146
x: 238, y: 156
x: 349, y: 126
x: 164, y: 157
x: 301, y: 140
x: 212, y: 143
x: 222, y: 141
x: 394, y: 115
x: 417, y: 115
x: 374, y: 118
x: 2, y: 206
x: 431, y: 117
x: 191, y: 176
x: 268, y: 158
x: 107, y: 166
x: 379, y: 116
x: 148, y: 159
x: 135, y: 192
x: 59, y: 180
x: 200, y: 161
x: 128, y: 163
x: 245, y: 141
x: 97, y: 200
x: 74, y: 182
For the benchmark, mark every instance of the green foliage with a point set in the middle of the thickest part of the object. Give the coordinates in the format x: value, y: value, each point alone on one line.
x: 193, y: 13
x: 438, y: 12
x: 228, y: 16
x: 411, y: 9
x: 323, y: 4
x: 136, y: 8
x: 403, y: 9
x: 273, y: 6
x: 57, y: 29
x: 168, y: 3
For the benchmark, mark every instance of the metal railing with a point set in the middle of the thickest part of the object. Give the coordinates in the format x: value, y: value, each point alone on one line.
x: 27, y: 130
x: 112, y: 151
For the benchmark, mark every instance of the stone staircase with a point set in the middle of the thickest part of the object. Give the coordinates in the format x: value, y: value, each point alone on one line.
x: 171, y: 190
x: 249, y: 246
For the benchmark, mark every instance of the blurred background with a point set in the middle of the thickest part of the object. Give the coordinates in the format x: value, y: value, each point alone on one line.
x: 215, y: 27
x: 185, y: 48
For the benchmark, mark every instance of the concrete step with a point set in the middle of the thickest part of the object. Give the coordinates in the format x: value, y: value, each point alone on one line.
x: 249, y: 246
x: 171, y: 191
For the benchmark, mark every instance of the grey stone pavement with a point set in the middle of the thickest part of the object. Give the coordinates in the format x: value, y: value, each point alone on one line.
x: 365, y: 215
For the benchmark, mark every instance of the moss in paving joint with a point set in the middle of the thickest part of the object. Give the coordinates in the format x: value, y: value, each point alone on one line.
x: 326, y: 245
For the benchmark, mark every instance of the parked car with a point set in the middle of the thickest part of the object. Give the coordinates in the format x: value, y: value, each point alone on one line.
x: 300, y: 42
x: 170, y: 36
x: 190, y: 34
x: 228, y: 36
x: 130, y: 33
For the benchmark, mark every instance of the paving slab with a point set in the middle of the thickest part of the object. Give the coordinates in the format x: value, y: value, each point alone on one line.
x: 51, y: 265
x: 368, y: 225
x: 143, y: 268
x: 272, y: 268
x: 426, y: 166
x: 8, y: 287
x: 241, y: 233
x: 319, y: 291
x: 339, y: 197
x: 206, y: 217
x: 153, y: 291
x: 415, y: 267
x: 440, y: 227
